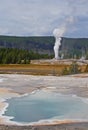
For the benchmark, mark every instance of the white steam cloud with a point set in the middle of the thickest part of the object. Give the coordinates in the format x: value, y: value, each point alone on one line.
x: 59, y: 32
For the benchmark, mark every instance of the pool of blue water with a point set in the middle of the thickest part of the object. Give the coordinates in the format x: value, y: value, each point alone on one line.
x: 44, y: 105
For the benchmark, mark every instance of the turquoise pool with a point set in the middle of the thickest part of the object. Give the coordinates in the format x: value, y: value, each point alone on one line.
x: 44, y: 105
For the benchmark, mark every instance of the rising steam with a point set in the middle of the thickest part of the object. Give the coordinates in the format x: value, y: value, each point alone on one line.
x: 58, y: 33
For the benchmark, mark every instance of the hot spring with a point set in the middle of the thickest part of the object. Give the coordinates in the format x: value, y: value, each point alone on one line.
x: 47, y: 106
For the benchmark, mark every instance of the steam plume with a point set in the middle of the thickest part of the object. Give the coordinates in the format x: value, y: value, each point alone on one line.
x: 58, y: 33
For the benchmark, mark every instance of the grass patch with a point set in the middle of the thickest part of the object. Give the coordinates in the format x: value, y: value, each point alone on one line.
x: 35, y: 69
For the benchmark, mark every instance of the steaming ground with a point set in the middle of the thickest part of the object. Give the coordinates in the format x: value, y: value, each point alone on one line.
x: 13, y: 85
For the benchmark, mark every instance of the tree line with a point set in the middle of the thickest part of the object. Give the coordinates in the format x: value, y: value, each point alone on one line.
x: 16, y: 56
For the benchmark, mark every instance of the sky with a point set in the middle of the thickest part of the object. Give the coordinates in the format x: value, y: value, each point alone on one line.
x: 41, y: 17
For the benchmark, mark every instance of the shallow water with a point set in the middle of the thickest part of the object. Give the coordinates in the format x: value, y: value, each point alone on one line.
x: 44, y: 105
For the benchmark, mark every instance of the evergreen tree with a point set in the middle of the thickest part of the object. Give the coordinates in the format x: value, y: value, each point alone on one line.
x: 17, y: 56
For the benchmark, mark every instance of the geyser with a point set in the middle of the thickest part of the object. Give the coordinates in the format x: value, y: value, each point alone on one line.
x: 58, y: 33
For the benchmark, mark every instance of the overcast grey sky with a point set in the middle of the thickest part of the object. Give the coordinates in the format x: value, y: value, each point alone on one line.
x: 40, y: 17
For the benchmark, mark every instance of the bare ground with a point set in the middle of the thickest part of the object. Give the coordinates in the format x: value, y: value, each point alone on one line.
x: 71, y: 126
